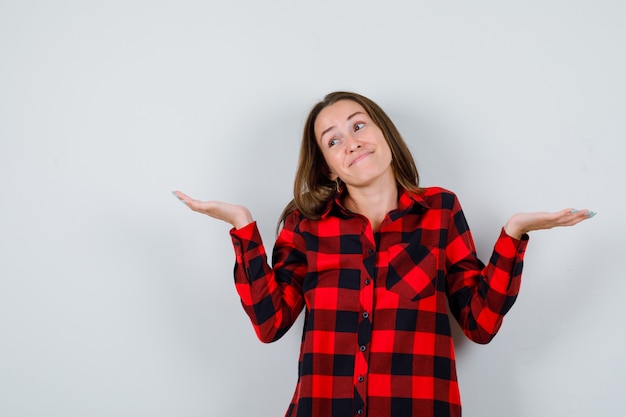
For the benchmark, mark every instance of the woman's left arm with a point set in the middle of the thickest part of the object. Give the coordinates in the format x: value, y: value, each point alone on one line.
x: 479, y: 296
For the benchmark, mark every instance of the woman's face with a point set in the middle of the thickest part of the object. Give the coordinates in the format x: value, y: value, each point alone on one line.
x: 353, y: 145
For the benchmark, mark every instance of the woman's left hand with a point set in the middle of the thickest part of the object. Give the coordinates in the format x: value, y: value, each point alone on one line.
x: 522, y: 223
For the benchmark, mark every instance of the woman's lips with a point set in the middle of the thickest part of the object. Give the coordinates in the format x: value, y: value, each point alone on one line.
x: 360, y: 157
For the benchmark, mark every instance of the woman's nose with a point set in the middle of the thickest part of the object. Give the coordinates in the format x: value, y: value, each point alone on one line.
x: 353, y: 144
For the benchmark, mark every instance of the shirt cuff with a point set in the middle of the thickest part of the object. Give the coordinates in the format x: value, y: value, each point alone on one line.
x: 245, y: 238
x: 511, y: 247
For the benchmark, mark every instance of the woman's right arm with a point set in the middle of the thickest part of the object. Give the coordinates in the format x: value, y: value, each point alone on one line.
x: 272, y: 297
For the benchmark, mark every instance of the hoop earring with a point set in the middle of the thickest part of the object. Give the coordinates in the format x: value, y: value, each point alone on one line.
x: 338, y: 184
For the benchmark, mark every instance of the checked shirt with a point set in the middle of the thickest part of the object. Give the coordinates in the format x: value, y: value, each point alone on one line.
x: 377, y: 340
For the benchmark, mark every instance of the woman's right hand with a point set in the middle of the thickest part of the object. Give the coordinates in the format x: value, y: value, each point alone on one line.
x: 238, y: 216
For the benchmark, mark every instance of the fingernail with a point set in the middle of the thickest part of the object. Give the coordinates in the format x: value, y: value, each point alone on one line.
x: 178, y: 198
x: 574, y: 211
x: 592, y: 214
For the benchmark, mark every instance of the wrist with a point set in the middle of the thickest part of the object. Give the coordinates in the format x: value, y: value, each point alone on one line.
x: 513, y: 229
x: 242, y: 219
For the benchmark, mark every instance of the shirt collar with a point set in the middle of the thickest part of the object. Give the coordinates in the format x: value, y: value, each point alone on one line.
x: 407, y: 201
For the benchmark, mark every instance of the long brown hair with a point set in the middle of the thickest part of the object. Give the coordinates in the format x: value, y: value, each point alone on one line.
x: 313, y: 187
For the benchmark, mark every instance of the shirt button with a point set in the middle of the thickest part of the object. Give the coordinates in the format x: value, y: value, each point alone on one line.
x: 360, y: 411
x: 361, y: 379
x: 370, y: 251
x: 365, y: 314
x: 367, y: 281
x: 362, y: 347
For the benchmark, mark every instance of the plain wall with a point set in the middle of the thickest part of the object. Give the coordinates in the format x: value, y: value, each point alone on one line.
x: 117, y: 301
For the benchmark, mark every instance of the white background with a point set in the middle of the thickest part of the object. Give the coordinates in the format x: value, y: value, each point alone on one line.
x: 117, y: 301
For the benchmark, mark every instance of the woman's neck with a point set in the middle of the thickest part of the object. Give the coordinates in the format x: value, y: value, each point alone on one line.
x: 374, y: 204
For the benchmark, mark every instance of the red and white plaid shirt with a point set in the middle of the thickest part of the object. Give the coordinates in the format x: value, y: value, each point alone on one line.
x: 377, y: 339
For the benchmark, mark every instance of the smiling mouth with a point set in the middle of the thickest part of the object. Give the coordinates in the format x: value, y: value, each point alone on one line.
x: 360, y: 158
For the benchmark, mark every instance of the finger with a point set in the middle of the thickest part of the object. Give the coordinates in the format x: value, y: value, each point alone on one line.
x: 199, y: 206
x: 575, y: 216
x: 185, y: 199
x: 582, y: 214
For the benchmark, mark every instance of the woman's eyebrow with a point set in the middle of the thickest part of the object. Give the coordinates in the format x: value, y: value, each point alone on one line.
x: 354, y: 114
x: 332, y: 127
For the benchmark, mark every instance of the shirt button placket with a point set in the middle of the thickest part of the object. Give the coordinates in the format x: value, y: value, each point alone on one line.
x: 365, y: 326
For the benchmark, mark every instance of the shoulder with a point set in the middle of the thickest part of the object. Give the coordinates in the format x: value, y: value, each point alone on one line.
x: 438, y: 198
x: 292, y: 219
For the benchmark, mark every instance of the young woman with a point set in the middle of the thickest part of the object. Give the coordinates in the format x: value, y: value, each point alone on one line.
x: 376, y: 261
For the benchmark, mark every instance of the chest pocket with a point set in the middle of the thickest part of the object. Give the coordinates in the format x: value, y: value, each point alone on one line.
x: 411, y: 271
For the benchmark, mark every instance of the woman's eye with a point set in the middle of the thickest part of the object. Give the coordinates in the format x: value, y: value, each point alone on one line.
x: 359, y: 126
x: 332, y: 142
